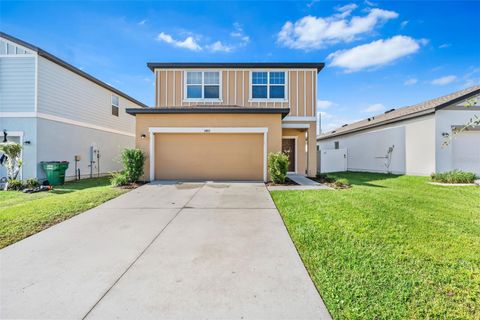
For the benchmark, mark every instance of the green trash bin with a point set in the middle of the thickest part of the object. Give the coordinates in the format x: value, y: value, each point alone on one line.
x: 55, y: 171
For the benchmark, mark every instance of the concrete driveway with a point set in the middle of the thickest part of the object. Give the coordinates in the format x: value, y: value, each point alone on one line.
x: 163, y: 251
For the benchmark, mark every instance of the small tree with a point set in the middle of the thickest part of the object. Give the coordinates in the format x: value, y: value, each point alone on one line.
x: 133, y: 160
x: 13, y: 151
x: 278, y: 166
x: 472, y: 122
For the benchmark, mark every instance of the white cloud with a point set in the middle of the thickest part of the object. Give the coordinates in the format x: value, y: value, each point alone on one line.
x: 218, y: 46
x: 374, y: 54
x: 346, y: 10
x: 312, y: 32
x: 240, y: 34
x: 404, y: 24
x: 324, y: 104
x: 444, y: 45
x: 472, y: 77
x: 189, y: 43
x: 444, y: 80
x: 193, y: 43
x: 310, y: 4
x: 410, y: 82
x: 374, y: 108
x: 142, y: 23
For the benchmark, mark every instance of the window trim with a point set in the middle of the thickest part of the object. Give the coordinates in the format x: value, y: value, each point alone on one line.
x: 115, y: 105
x: 186, y: 99
x: 268, y: 99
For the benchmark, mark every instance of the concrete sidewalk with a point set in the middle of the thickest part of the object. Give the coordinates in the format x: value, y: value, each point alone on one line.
x: 176, y: 251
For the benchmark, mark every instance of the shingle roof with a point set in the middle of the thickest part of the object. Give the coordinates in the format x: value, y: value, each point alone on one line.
x: 70, y: 67
x: 404, y: 112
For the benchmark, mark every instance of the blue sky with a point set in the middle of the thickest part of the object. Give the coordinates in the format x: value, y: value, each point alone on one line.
x: 379, y: 55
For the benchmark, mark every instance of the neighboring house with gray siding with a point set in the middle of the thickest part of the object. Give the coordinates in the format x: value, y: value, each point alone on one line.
x: 57, y: 112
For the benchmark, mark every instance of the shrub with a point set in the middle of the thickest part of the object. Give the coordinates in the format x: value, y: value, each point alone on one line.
x: 133, y: 160
x: 278, y: 166
x: 13, y: 163
x: 31, y: 183
x: 455, y: 176
x: 119, y: 179
x: 324, y: 178
x: 342, y: 183
x: 15, y: 185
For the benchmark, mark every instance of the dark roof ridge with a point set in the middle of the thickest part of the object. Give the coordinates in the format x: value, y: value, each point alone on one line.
x: 209, y: 65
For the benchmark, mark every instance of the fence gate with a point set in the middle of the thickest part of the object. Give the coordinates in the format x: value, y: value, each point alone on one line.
x: 331, y: 160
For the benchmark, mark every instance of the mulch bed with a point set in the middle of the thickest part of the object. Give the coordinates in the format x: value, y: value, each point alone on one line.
x: 329, y: 182
x: 288, y: 182
x: 133, y: 185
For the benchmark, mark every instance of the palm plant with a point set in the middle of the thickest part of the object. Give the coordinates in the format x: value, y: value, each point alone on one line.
x: 13, y: 162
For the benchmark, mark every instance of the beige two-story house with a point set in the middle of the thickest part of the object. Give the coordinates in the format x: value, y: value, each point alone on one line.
x: 219, y: 121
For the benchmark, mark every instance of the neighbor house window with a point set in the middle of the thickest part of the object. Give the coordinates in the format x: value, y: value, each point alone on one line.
x: 202, y: 85
x: 268, y: 85
x: 115, y: 105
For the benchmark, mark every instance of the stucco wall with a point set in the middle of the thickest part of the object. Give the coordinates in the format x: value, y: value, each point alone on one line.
x: 144, y: 121
x: 29, y: 154
x: 420, y: 145
x: 413, y: 153
x: 59, y: 141
x: 444, y: 120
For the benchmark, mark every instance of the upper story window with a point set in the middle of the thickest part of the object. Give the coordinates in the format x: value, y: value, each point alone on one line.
x: 115, y: 105
x: 268, y: 85
x: 201, y: 85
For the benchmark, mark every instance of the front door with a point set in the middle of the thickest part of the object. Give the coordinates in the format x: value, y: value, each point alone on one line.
x: 288, y: 147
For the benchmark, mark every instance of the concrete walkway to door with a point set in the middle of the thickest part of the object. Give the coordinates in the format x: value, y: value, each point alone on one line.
x: 163, y: 251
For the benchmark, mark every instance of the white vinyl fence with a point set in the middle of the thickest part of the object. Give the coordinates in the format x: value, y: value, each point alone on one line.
x: 332, y: 160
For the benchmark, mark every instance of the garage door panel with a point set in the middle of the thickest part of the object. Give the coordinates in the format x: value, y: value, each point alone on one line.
x: 209, y: 156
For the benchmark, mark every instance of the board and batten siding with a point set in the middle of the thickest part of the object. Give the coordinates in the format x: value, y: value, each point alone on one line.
x: 17, y: 83
x: 235, y: 90
x: 65, y: 94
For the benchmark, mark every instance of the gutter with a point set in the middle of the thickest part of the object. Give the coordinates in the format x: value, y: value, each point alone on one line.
x: 208, y: 110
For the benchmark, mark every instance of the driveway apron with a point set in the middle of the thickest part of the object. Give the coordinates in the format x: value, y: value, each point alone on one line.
x: 163, y: 251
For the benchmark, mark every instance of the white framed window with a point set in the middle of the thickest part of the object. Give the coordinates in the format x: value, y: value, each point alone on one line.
x: 115, y: 105
x: 268, y: 85
x: 203, y: 85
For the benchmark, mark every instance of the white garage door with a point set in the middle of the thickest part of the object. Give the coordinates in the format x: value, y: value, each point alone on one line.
x: 466, y: 151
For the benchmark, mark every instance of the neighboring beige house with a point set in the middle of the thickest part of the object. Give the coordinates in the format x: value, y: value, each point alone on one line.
x: 219, y: 121
x: 415, y: 140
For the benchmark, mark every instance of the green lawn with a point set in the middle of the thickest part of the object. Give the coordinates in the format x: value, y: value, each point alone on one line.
x: 391, y: 247
x: 22, y: 215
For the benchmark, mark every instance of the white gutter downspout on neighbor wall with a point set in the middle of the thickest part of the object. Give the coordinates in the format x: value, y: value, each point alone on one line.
x: 207, y: 130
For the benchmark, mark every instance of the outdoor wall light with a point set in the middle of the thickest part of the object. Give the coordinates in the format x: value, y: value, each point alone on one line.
x: 143, y: 136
